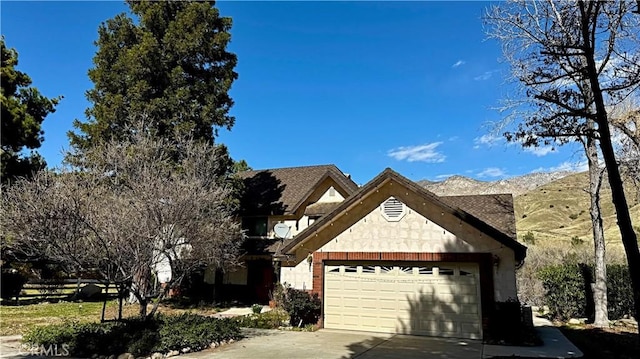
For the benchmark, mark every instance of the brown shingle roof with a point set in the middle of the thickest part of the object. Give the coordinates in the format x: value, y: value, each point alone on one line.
x: 493, y: 209
x: 320, y: 209
x: 284, y: 190
x: 476, y: 216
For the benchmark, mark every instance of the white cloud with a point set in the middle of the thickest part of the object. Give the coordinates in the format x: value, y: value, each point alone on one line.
x: 442, y: 177
x: 565, y: 166
x: 485, y: 76
x: 491, y: 172
x: 454, y: 138
x: 458, y: 63
x: 421, y: 153
x: 541, y: 150
x: 486, y: 140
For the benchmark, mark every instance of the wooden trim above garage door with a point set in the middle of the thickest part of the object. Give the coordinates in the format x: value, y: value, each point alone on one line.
x: 484, y: 260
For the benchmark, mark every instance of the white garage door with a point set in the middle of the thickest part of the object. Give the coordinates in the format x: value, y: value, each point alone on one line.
x: 435, y: 299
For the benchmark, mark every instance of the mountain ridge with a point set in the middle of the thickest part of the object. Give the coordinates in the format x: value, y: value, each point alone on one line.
x: 460, y: 185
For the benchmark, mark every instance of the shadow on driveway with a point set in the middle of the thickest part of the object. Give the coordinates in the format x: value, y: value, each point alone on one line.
x: 335, y: 344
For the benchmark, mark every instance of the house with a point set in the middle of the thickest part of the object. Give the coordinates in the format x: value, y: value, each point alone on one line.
x: 389, y: 256
x: 294, y: 197
x: 395, y: 258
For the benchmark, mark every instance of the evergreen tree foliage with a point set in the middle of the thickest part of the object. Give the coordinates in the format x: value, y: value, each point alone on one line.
x: 170, y: 67
x: 23, y: 110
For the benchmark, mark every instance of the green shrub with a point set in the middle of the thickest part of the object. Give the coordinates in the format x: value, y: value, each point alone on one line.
x: 52, y: 334
x: 565, y: 290
x: 619, y: 292
x: 194, y: 331
x: 576, y: 241
x: 268, y: 320
x: 529, y: 238
x: 256, y: 308
x: 136, y: 336
x: 303, y: 308
x: 567, y: 295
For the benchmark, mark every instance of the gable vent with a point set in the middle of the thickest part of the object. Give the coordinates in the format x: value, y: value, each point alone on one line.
x: 392, y: 209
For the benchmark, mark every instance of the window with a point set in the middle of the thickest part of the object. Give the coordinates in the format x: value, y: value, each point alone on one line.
x: 392, y: 209
x: 350, y: 269
x: 445, y: 271
x: 255, y: 226
x: 368, y: 269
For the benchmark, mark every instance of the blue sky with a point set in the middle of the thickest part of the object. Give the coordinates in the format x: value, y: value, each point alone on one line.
x: 363, y: 85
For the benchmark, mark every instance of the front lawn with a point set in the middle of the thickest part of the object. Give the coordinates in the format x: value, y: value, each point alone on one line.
x: 20, y: 319
x: 598, y: 343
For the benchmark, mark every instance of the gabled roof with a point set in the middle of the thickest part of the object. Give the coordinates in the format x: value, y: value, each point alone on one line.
x: 320, y: 209
x: 485, y: 220
x: 494, y: 209
x: 284, y: 190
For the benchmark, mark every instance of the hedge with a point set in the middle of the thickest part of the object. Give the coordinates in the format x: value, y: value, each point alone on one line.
x: 136, y: 336
x: 568, y: 290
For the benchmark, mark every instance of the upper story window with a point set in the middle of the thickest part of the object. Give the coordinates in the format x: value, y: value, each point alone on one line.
x: 255, y: 226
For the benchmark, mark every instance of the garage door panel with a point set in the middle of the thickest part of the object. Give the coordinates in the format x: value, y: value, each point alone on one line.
x: 404, y: 299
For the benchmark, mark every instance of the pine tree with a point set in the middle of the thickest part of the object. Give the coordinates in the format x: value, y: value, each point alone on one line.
x: 24, y: 109
x: 170, y: 68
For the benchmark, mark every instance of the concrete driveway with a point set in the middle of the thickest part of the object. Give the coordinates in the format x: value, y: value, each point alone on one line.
x: 334, y: 344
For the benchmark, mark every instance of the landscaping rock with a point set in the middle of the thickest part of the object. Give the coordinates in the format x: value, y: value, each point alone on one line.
x: 186, y: 350
x: 213, y: 345
x: 111, y: 357
x: 577, y: 321
x: 172, y: 354
x: 157, y: 356
x: 626, y: 323
x: 126, y: 356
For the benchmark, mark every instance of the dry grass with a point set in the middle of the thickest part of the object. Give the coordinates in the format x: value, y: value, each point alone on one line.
x: 555, y: 213
x: 559, y: 210
x: 19, y: 319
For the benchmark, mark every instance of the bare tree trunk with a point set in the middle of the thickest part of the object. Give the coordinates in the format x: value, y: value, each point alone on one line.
x: 143, y: 308
x: 629, y: 239
x: 162, y: 295
x: 104, y: 303
x: 120, y: 300
x: 601, y: 319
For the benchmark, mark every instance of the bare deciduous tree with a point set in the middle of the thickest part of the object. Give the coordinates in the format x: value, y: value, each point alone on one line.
x: 625, y: 119
x: 573, y: 60
x: 136, y: 207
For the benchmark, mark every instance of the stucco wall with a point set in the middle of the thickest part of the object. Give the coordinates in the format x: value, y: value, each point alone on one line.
x: 413, y: 233
x: 330, y: 196
x: 299, y: 277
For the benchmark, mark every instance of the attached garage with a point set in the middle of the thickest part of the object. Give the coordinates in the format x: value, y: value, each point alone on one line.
x: 395, y: 258
x: 434, y: 299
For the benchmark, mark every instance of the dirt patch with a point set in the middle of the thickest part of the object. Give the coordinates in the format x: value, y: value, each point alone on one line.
x: 596, y: 343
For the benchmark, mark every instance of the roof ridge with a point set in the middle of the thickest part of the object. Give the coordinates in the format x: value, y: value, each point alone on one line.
x: 293, y: 167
